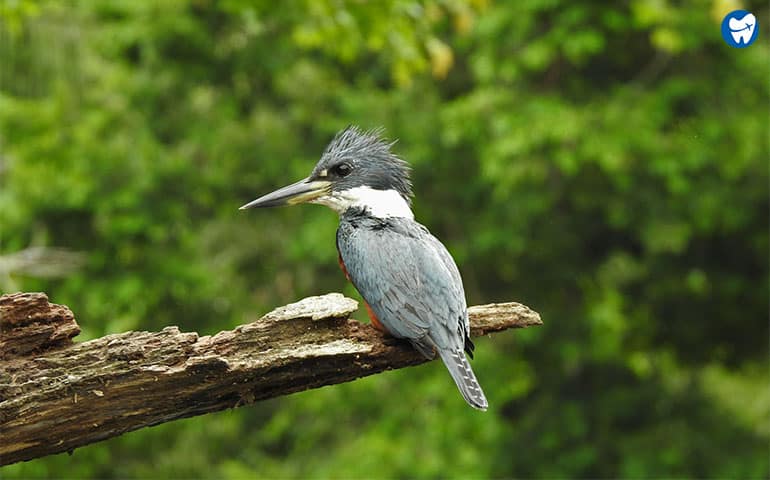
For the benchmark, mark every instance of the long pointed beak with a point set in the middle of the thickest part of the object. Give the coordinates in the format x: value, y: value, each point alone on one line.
x: 300, y: 192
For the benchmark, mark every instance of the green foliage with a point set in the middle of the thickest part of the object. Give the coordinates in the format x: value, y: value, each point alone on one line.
x: 606, y: 164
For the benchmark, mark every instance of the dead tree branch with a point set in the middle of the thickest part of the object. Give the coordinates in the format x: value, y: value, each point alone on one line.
x: 56, y: 395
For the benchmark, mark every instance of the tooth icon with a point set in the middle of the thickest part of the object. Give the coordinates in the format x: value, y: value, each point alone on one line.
x: 742, y: 30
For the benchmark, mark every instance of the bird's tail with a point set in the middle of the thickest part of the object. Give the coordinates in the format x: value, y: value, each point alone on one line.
x: 463, y: 376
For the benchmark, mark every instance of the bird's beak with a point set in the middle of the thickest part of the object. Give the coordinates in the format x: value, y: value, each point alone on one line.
x: 303, y: 191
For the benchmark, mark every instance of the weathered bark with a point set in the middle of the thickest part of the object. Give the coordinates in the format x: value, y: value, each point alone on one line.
x: 70, y: 395
x: 28, y: 323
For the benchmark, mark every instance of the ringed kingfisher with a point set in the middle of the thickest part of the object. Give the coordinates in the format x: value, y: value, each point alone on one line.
x: 410, y: 284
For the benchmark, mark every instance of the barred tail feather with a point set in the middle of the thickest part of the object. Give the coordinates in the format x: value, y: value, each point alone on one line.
x: 463, y: 376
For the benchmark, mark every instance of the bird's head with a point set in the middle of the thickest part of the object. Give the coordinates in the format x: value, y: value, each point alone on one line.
x: 356, y: 171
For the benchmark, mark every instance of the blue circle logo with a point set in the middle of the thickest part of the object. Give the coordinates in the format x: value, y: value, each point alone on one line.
x: 740, y: 28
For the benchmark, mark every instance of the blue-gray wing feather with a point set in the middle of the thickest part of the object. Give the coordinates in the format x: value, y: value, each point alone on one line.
x: 412, y: 284
x: 409, y: 280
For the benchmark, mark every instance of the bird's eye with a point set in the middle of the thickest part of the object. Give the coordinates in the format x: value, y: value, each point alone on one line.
x: 343, y: 169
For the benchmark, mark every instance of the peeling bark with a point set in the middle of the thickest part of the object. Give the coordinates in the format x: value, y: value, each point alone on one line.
x: 56, y: 396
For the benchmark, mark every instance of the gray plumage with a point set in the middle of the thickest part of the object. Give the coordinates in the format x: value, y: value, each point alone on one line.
x: 412, y: 284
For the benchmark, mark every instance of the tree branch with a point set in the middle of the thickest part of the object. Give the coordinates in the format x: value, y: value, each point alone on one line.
x: 56, y: 395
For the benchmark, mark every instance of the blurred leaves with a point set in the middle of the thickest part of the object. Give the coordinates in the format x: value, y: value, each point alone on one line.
x: 605, y: 164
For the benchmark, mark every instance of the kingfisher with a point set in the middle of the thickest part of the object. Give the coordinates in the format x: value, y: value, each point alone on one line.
x: 410, y: 283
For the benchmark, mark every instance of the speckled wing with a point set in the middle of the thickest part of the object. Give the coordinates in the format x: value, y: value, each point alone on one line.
x: 408, y: 279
